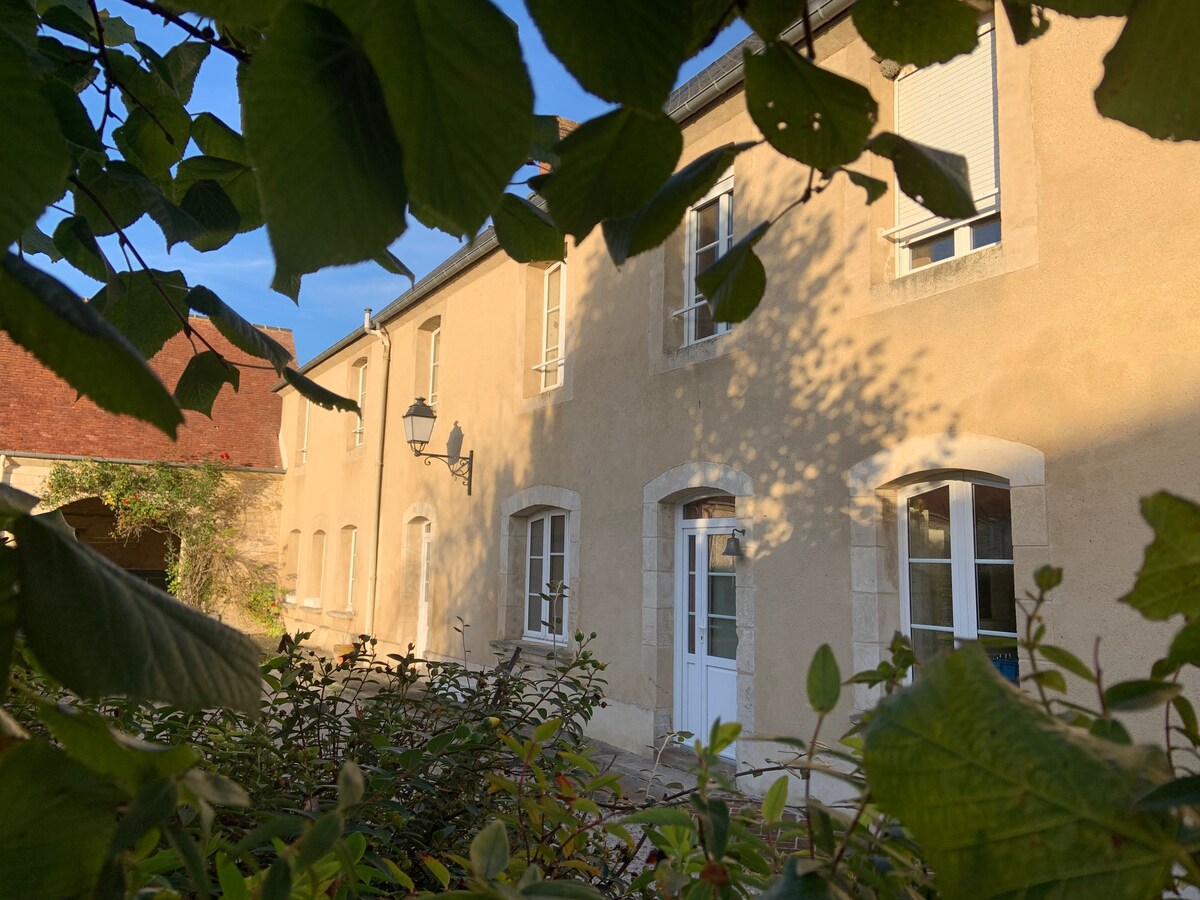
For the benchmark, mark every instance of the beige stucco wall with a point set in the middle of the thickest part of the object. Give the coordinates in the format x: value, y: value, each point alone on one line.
x: 1068, y: 347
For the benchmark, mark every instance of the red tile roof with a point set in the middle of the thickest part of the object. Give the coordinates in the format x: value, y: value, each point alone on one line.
x: 39, y: 413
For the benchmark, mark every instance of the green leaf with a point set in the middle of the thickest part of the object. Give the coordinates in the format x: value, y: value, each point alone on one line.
x: 611, y: 166
x: 34, y: 240
x: 525, y: 232
x: 645, y: 229
x: 390, y: 262
x: 318, y: 841
x: 206, y: 373
x: 215, y: 138
x: 237, y: 330
x: 775, y: 800
x: 1007, y: 801
x: 1065, y: 659
x: 119, y: 203
x: 1187, y: 714
x: 236, y: 180
x: 1109, y: 729
x: 1169, y: 580
x: 73, y: 120
x: 1127, y: 696
x: 660, y: 815
x: 175, y: 224
x: 74, y: 240
x: 15, y: 502
x: 734, y: 284
x: 183, y: 61
x: 489, y: 851
x: 935, y: 179
x: 148, y: 307
x: 310, y: 390
x: 545, y: 137
x: 350, y: 785
x: 806, y: 112
x: 156, y: 649
x: 1026, y: 20
x: 920, y: 32
x: 34, y: 161
x: 1049, y: 678
x: 874, y: 187
x: 624, y: 51
x: 70, y: 338
x: 1185, y: 647
x: 59, y: 817
x: 771, y: 17
x: 207, y: 203
x: 19, y: 22
x: 330, y: 170
x: 459, y: 98
x: 824, y: 680
x: 215, y: 788
x: 154, y: 138
x: 562, y: 890
x: 1140, y: 87
x: 1180, y: 792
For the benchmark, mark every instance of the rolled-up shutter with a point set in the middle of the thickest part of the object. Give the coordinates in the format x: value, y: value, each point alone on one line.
x: 952, y: 106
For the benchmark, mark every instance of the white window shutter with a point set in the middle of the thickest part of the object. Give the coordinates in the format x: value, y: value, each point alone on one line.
x: 952, y: 106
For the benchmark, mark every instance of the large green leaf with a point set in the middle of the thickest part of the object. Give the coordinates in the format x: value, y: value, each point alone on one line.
x: 489, y: 851
x: 207, y: 203
x: 624, y: 51
x: 73, y: 238
x: 921, y: 32
x: 806, y: 112
x: 34, y: 240
x: 824, y: 680
x: 34, y: 161
x: 175, y: 224
x: 1145, y: 82
x: 58, y: 819
x: 628, y: 236
x: 106, y: 201
x: 610, y: 166
x: 770, y: 17
x: 71, y: 339
x: 235, y: 179
x: 1005, y: 800
x: 183, y: 62
x: 134, y: 303
x: 935, y: 179
x: 154, y: 137
x: 525, y: 232
x: 734, y: 284
x: 310, y: 390
x: 238, y: 331
x: 1169, y: 580
x: 215, y: 138
x: 202, y: 380
x: 330, y: 170
x: 459, y: 98
x: 73, y: 120
x: 73, y: 600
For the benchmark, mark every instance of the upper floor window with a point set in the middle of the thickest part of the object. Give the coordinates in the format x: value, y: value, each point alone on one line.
x: 951, y: 106
x: 956, y: 573
x: 302, y: 421
x: 554, y: 292
x: 546, y: 586
x: 709, y: 236
x: 359, y: 385
x: 435, y: 358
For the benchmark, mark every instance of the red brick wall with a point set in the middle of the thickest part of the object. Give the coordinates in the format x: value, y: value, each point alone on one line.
x: 39, y: 413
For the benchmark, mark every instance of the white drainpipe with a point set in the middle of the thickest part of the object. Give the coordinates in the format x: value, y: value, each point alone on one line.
x: 380, y: 433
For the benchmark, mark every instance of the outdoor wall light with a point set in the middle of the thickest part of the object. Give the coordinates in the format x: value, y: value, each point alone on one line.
x: 418, y: 429
x: 733, y: 547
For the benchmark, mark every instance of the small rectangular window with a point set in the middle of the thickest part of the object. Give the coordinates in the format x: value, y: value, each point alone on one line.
x: 360, y: 388
x: 435, y: 361
x: 709, y: 236
x: 554, y: 292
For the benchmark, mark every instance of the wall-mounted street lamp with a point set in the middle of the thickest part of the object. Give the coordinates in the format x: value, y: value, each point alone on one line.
x: 418, y: 429
x: 733, y: 547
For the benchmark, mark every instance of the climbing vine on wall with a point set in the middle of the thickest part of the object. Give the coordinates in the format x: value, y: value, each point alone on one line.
x: 198, y: 506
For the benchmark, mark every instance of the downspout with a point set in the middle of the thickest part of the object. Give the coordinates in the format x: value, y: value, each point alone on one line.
x: 380, y: 434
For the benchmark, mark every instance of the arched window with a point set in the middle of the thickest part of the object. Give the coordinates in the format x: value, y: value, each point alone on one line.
x: 546, y: 582
x: 316, y: 569
x: 956, y: 571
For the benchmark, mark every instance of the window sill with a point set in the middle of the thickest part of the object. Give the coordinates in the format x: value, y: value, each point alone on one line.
x: 703, y: 350
x: 311, y: 603
x: 340, y: 613
x: 533, y: 651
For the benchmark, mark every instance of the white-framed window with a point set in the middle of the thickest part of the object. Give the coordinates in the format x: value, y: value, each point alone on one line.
x: 349, y: 557
x: 709, y: 235
x: 554, y: 295
x: 546, y: 574
x: 360, y: 384
x: 302, y: 438
x: 435, y: 357
x: 951, y: 106
x: 956, y: 571
x: 316, y: 569
x: 291, y: 565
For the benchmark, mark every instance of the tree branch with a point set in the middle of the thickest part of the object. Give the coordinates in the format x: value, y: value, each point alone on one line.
x: 201, y: 34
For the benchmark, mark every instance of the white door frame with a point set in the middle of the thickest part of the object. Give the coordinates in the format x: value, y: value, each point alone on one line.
x: 702, y: 529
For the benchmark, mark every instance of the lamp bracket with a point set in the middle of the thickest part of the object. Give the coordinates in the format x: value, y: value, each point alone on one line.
x: 460, y: 466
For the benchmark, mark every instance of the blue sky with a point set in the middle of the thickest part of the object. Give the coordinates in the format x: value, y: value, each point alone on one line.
x: 331, y: 302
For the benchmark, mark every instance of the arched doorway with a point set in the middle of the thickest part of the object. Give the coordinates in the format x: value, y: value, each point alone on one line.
x: 145, y: 556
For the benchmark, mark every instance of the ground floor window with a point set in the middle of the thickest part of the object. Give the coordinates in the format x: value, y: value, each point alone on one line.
x: 546, y: 587
x: 956, y: 573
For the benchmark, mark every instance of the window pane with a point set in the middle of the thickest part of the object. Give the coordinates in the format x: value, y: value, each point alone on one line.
x: 706, y: 225
x: 537, y: 579
x: 558, y: 529
x: 557, y: 575
x: 927, y: 644
x: 533, y: 621
x: 550, y: 377
x: 691, y: 593
x: 985, y: 233
x: 930, y: 588
x: 722, y: 638
x: 996, y: 595
x: 537, y: 536
x: 993, y: 523
x: 709, y: 508
x: 553, y: 287
x: 717, y: 560
x: 722, y: 595
x: 931, y: 250
x: 704, y: 323
x: 691, y: 634
x: 929, y: 525
x: 1004, y: 657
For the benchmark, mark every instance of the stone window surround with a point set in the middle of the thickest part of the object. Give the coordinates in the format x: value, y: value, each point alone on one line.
x: 660, y: 500
x: 874, y: 560
x: 514, y: 513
